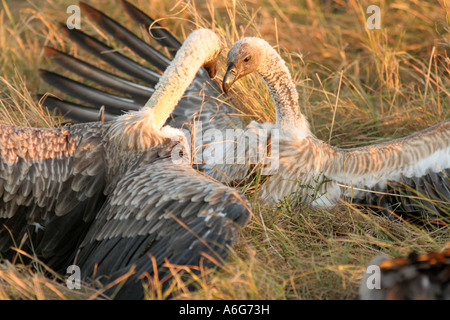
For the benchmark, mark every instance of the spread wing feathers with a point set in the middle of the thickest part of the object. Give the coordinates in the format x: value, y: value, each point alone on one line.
x: 136, y: 91
x: 201, y: 110
x: 409, y: 174
x: 114, y: 104
x: 51, y: 183
x: 171, y: 213
x: 77, y: 112
x: 415, y: 277
x: 127, y: 37
x: 203, y: 93
x: 164, y: 37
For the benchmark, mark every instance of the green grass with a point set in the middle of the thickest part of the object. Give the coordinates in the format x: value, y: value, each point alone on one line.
x: 356, y: 86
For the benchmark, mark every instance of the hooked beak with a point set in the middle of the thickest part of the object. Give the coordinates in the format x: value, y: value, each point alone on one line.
x: 230, y: 77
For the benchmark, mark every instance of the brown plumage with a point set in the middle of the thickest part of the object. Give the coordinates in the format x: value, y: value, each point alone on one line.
x: 399, y: 177
x: 109, y: 196
x: 48, y: 177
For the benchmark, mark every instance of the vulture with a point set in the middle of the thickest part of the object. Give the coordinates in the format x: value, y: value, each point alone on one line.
x: 202, y: 113
x: 415, y: 277
x: 120, y: 197
x: 409, y: 175
x: 406, y: 176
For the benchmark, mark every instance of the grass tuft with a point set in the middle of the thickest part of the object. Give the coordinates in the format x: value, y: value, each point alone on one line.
x: 357, y: 87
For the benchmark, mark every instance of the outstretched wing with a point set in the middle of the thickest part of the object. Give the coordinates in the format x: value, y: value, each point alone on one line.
x: 161, y: 213
x: 202, y: 111
x: 202, y: 98
x: 407, y: 175
x: 51, y: 185
x: 404, y: 176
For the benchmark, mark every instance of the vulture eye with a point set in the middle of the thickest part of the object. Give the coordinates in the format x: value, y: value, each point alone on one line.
x: 247, y: 59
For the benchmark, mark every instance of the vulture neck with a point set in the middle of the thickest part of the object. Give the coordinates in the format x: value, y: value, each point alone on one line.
x: 141, y: 130
x: 284, y: 93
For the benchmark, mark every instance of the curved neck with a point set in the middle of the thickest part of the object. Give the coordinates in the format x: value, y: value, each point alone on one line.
x: 284, y: 93
x: 200, y: 47
x: 141, y: 129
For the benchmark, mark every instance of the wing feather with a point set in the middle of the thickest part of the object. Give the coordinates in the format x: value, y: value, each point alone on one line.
x: 48, y: 178
x: 166, y: 224
x: 404, y: 176
x: 421, y: 161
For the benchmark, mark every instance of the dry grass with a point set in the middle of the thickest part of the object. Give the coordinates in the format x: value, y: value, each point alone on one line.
x: 35, y: 281
x: 357, y: 86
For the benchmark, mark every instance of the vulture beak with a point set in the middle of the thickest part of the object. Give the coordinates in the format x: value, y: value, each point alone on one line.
x: 230, y: 77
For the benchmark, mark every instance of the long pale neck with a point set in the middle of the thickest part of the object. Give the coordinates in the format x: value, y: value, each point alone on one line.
x: 283, y: 91
x: 139, y: 130
x: 198, y: 49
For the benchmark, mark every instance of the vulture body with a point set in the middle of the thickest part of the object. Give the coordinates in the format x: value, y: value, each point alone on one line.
x: 113, y: 196
x: 409, y: 175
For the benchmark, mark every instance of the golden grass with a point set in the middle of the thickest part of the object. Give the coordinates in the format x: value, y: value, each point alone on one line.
x: 357, y: 86
x: 35, y: 281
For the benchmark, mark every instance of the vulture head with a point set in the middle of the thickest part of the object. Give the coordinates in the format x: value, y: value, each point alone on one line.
x: 243, y: 58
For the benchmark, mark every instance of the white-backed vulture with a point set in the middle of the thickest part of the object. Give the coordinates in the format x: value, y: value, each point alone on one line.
x: 405, y: 175
x: 111, y: 196
x: 400, y: 176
